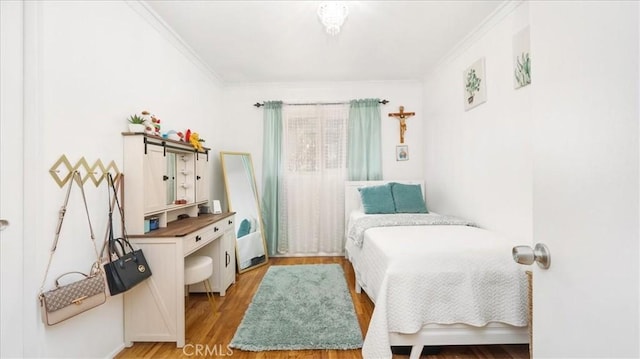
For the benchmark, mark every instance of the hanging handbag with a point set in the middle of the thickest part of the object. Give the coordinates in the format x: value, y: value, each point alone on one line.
x: 124, y: 270
x: 66, y: 301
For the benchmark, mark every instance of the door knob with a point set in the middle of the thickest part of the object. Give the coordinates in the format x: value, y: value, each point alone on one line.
x: 3, y: 224
x: 527, y: 255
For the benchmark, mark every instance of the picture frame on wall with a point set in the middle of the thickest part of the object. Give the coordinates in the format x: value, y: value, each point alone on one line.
x: 474, y: 85
x: 402, y: 153
x: 521, y: 59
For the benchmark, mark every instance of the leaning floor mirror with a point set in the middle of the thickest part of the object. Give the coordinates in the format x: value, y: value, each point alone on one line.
x: 242, y: 197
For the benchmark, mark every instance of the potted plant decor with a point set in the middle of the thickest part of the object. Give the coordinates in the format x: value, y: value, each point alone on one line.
x: 136, y: 123
x: 473, y: 84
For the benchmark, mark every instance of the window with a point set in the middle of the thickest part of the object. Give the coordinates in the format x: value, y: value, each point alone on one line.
x: 315, y: 152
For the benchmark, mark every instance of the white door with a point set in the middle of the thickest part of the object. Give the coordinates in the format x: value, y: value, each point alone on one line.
x: 585, y: 191
x: 11, y: 184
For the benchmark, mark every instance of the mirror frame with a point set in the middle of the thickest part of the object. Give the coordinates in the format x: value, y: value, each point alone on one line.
x: 257, y: 200
x: 172, y: 173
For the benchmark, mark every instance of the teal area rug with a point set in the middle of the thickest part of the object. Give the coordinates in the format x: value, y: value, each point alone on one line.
x: 300, y: 307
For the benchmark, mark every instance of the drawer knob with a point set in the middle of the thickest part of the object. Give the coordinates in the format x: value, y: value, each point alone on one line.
x: 215, y: 229
x: 198, y: 238
x: 230, y: 222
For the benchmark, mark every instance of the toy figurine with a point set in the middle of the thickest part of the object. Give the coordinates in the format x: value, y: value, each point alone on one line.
x: 195, y: 141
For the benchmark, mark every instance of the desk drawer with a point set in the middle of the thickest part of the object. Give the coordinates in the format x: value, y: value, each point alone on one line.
x: 206, y: 235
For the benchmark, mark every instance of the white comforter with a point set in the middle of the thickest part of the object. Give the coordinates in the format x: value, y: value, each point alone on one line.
x: 442, y: 274
x: 249, y: 246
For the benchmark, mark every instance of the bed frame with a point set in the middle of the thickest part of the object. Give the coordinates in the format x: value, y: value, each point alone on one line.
x: 436, y: 334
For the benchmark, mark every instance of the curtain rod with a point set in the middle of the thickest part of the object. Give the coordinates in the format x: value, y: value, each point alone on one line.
x: 258, y: 104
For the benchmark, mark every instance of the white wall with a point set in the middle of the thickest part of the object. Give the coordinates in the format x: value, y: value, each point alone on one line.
x: 479, y: 163
x: 241, y: 126
x: 88, y: 66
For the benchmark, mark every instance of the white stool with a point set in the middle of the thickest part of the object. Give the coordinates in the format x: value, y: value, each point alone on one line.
x: 198, y: 269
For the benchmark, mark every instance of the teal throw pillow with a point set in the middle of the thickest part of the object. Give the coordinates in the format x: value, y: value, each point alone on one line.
x: 377, y: 199
x: 245, y: 228
x: 407, y: 198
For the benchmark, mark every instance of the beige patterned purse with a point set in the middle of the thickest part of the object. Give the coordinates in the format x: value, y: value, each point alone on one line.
x: 66, y: 301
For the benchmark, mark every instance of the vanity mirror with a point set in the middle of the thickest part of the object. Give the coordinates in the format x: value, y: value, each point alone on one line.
x: 242, y: 194
x: 171, y: 177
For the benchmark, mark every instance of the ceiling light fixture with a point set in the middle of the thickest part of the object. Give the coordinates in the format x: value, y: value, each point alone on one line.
x: 332, y: 14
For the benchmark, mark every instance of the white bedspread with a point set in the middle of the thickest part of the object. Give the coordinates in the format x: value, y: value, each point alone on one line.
x: 360, y: 222
x: 249, y: 246
x: 436, y: 274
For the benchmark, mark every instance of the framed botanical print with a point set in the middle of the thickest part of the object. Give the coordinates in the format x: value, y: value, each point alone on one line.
x: 475, y: 85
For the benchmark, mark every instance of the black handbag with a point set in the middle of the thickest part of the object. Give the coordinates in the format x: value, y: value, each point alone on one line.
x: 126, y: 267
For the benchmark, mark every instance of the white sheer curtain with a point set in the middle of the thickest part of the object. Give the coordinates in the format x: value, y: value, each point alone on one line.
x: 314, y: 171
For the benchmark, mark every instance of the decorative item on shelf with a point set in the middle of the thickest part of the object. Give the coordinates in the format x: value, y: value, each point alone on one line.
x: 194, y: 139
x: 136, y: 123
x: 146, y: 115
x: 148, y: 129
x: 203, y: 209
x: 152, y: 124
x: 154, y: 223
x: 187, y: 135
x: 155, y: 123
x: 180, y: 201
x: 216, y: 207
x: 171, y: 135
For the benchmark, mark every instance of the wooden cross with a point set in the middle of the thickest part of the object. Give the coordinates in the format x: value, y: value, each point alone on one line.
x: 402, y: 116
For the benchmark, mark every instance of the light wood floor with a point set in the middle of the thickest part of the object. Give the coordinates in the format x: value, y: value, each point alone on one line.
x: 212, y: 332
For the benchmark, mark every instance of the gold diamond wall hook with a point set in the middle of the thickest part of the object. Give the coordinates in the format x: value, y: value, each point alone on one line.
x: 97, y: 172
x: 62, y: 171
x: 61, y: 174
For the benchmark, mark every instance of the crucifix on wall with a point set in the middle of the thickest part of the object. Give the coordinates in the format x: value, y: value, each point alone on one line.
x: 402, y: 116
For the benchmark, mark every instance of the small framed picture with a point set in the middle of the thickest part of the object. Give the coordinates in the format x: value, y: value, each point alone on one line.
x: 475, y: 85
x: 402, y: 153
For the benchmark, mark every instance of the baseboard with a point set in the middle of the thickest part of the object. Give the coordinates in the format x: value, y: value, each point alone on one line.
x: 116, y: 351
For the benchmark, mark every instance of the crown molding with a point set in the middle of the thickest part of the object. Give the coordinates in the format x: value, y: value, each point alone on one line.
x: 502, y: 11
x: 148, y: 14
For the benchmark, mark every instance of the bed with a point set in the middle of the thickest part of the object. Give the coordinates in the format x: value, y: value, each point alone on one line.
x: 442, y: 282
x: 250, y: 249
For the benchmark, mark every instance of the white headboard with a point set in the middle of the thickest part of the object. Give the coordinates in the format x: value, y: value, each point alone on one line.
x: 352, y: 196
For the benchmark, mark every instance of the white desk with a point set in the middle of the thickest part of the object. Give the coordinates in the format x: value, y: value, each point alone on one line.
x: 154, y: 309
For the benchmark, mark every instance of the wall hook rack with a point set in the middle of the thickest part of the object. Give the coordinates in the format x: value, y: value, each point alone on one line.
x: 62, y: 171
